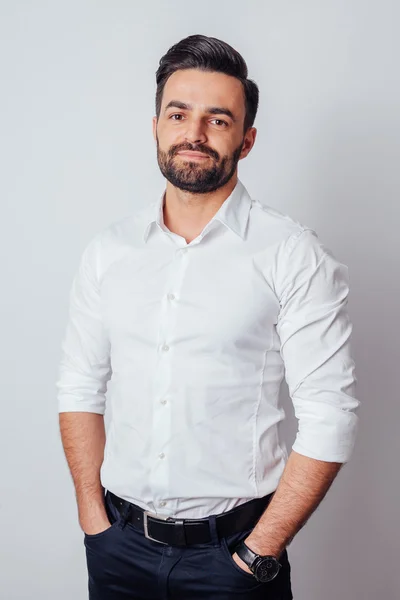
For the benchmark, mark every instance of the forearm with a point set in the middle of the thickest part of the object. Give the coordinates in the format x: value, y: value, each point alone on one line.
x: 302, y: 486
x: 83, y: 438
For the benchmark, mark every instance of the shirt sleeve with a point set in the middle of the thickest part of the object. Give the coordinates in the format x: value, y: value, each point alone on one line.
x: 85, y: 367
x: 315, y: 330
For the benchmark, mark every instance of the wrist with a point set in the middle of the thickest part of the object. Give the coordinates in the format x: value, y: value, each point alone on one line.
x: 91, y: 508
x: 93, y: 520
x: 264, y: 549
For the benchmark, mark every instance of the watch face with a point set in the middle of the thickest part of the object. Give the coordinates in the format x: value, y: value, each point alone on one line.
x: 266, y: 568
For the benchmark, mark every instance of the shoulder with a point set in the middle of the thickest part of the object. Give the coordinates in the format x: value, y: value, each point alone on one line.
x: 114, y: 240
x: 129, y: 228
x: 280, y: 228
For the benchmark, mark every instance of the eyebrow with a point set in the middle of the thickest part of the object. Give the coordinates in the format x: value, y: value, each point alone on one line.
x: 212, y: 110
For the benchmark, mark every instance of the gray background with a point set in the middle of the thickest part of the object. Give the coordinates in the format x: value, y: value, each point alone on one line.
x: 76, y: 102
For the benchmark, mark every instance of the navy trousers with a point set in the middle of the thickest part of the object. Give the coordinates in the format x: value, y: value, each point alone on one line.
x: 125, y: 565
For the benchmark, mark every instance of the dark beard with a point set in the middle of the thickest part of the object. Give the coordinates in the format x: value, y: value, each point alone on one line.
x: 191, y: 176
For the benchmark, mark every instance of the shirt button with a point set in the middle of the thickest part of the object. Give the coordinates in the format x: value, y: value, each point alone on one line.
x: 184, y: 250
x: 161, y: 455
x: 165, y: 348
x: 171, y: 297
x: 163, y: 503
x: 163, y: 401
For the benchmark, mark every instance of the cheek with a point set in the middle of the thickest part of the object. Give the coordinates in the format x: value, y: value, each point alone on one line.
x: 168, y: 140
x: 167, y: 131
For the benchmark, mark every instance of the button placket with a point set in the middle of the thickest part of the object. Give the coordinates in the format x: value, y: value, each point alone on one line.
x: 162, y: 418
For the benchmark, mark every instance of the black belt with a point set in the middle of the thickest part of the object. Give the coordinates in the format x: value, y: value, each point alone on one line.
x: 182, y: 532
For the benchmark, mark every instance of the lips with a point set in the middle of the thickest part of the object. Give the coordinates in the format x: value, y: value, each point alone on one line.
x: 193, y: 154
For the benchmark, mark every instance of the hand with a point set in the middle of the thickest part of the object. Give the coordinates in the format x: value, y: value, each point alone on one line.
x: 241, y: 563
x: 93, y: 528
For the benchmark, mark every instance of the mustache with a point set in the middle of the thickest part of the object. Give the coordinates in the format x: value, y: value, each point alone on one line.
x: 191, y: 148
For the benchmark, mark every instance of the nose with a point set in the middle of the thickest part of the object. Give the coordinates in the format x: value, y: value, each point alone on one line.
x: 195, y: 132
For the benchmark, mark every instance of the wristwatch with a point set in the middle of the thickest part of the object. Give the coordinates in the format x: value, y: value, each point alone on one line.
x: 264, y: 568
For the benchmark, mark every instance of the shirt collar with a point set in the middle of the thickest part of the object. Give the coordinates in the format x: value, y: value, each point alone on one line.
x: 233, y: 213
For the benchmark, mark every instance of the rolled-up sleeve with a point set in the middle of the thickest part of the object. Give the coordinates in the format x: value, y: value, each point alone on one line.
x: 315, y: 330
x: 85, y: 368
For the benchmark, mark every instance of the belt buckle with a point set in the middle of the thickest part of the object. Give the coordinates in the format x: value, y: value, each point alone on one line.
x: 146, y: 514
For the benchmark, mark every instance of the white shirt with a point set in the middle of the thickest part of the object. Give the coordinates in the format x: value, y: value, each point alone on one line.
x: 193, y: 341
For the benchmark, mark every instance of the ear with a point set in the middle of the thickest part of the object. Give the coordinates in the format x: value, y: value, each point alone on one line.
x: 155, y: 128
x: 249, y: 141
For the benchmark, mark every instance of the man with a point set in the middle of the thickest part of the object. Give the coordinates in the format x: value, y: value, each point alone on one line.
x: 187, y: 313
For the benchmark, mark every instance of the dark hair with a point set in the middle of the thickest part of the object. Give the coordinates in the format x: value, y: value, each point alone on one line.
x: 208, y: 54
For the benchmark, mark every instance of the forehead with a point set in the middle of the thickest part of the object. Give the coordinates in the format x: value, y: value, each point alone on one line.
x: 203, y: 88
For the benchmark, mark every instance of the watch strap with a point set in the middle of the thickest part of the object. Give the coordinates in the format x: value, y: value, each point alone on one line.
x: 246, y: 554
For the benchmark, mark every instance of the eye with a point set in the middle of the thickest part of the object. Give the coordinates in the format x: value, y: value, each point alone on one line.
x: 221, y: 121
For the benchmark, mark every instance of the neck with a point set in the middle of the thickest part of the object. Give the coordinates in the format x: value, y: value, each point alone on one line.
x: 187, y: 214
